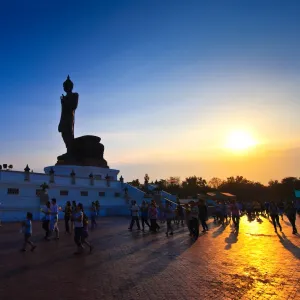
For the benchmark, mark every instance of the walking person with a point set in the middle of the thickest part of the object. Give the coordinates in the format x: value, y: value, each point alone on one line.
x: 194, y: 222
x: 54, y: 218
x: 180, y: 214
x: 203, y: 215
x: 290, y: 211
x: 153, y: 217
x: 46, y: 220
x: 74, y: 210
x: 78, y: 228
x: 97, y: 204
x: 281, y: 209
x: 67, y: 217
x: 267, y: 206
x: 223, y: 214
x: 274, y: 214
x: 144, y: 215
x: 134, y: 216
x: 218, y: 211
x: 235, y: 215
x: 188, y: 218
x: 27, y: 230
x: 169, y: 214
x: 85, y: 232
x: 93, y: 216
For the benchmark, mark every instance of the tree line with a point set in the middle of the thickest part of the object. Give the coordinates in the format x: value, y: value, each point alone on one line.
x: 244, y: 189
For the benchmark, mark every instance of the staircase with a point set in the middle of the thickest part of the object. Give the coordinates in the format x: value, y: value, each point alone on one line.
x: 141, y: 194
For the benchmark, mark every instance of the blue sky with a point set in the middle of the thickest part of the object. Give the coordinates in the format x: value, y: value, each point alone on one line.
x: 161, y: 82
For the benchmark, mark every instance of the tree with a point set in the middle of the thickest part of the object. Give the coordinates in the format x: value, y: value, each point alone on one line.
x: 135, y: 183
x: 173, y: 185
x: 288, y: 185
x: 161, y: 185
x: 215, y: 183
x: 194, y: 181
x: 174, y: 181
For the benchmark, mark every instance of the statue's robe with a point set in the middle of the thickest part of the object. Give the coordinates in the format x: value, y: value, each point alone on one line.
x: 69, y: 104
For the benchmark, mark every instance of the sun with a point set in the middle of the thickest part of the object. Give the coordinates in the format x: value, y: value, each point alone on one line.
x: 240, y: 140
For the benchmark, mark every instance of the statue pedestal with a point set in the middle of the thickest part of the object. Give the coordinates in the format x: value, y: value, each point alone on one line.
x: 83, y: 171
x: 84, y: 151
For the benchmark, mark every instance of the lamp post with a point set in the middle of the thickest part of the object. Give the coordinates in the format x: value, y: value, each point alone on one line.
x: 73, y: 179
x: 26, y: 174
x: 107, y: 180
x: 91, y: 176
x: 51, y: 174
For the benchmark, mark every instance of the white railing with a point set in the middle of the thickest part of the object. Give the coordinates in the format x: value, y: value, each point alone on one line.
x: 16, y: 177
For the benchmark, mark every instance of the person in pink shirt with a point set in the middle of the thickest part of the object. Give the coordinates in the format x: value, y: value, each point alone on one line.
x: 153, y: 217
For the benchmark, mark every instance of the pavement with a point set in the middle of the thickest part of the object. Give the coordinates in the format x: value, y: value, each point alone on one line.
x: 255, y: 264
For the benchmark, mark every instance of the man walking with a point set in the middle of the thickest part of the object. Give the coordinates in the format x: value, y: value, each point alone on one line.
x: 134, y: 216
x: 203, y: 214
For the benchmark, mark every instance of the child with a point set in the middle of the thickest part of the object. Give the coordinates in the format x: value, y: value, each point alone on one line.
x: 85, y: 233
x: 27, y: 230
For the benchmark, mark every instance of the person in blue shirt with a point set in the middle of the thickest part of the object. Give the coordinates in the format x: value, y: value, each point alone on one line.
x: 27, y: 230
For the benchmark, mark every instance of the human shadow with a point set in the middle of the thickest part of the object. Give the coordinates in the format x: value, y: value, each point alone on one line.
x: 157, y: 260
x: 231, y: 239
x: 51, y: 261
x: 287, y: 244
x: 219, y: 231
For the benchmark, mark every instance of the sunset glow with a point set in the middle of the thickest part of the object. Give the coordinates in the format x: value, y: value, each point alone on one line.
x: 240, y: 141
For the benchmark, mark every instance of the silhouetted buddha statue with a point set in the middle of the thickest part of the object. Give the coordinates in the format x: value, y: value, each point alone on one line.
x: 69, y: 104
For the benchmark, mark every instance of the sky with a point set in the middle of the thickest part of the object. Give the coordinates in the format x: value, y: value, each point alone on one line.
x: 163, y: 83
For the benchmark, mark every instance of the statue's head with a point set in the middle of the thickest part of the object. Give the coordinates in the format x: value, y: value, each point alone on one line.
x: 68, y: 85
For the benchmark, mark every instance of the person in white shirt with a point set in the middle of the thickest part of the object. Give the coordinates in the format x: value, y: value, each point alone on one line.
x: 134, y: 216
x: 54, y: 218
x: 46, y: 219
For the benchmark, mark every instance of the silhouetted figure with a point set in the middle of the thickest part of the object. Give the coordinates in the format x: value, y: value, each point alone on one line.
x: 69, y: 104
x: 290, y: 211
x: 274, y: 214
x: 203, y: 215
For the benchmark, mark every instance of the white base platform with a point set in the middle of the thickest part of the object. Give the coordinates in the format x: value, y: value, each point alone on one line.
x: 99, y: 173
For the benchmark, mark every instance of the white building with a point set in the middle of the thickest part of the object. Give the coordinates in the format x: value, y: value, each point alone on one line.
x: 21, y: 191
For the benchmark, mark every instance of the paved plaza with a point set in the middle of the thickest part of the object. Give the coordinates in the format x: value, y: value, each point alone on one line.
x: 256, y: 264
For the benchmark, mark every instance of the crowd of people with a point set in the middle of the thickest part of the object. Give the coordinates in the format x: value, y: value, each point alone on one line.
x: 195, y: 213
x: 273, y: 210
x: 192, y: 214
x: 75, y: 219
